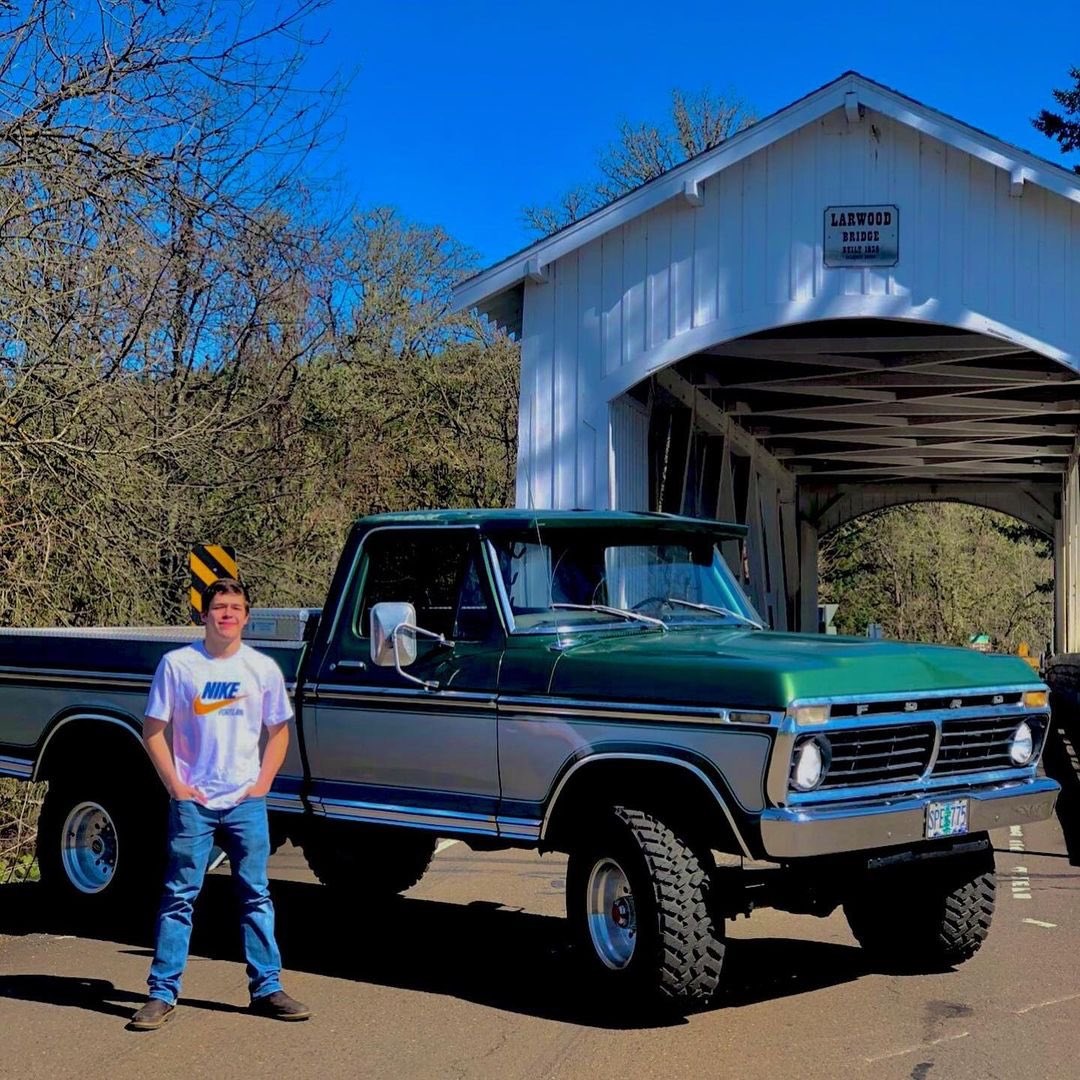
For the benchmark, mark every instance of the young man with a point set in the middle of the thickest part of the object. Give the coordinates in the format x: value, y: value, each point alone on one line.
x: 217, y: 694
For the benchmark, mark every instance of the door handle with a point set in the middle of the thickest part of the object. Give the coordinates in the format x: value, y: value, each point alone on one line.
x: 357, y: 665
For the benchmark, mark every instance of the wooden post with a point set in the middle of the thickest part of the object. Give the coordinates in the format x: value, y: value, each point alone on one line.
x: 808, y: 577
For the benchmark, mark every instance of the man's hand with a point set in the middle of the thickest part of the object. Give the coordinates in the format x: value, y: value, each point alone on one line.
x: 277, y: 743
x: 161, y: 755
x: 186, y: 793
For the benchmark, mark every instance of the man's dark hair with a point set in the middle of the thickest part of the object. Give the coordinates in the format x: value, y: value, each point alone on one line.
x: 225, y: 585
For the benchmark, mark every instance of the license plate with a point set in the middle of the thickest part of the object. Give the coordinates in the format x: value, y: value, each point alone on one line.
x: 946, y: 818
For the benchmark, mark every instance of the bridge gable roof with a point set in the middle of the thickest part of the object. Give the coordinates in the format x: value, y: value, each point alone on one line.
x: 497, y: 291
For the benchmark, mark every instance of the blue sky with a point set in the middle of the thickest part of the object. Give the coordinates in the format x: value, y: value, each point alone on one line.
x: 462, y: 113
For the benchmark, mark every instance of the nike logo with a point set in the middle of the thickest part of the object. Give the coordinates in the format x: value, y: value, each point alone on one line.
x: 204, y: 708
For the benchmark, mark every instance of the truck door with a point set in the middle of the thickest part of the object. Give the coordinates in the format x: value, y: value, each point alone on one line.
x: 384, y: 748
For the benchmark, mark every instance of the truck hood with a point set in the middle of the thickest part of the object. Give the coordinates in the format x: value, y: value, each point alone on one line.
x: 751, y: 668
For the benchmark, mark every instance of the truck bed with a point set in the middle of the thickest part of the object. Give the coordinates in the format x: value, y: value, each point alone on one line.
x: 45, y: 672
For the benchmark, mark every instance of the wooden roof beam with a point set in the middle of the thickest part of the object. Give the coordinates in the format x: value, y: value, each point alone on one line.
x: 734, y: 351
x: 996, y: 452
x: 976, y: 427
x: 928, y: 471
x: 715, y: 421
x: 944, y: 405
x: 909, y: 362
x: 968, y: 381
x: 951, y: 369
x: 855, y: 393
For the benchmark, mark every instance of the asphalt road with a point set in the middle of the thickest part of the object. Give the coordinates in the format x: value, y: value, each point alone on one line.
x: 469, y: 976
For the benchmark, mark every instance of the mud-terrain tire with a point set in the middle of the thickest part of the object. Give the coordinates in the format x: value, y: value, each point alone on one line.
x: 637, y: 900
x: 101, y: 844
x: 927, y: 917
x: 367, y: 863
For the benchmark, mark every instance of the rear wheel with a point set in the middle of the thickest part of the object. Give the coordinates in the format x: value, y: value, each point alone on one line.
x: 638, y: 905
x: 933, y: 915
x: 367, y: 862
x: 100, y: 844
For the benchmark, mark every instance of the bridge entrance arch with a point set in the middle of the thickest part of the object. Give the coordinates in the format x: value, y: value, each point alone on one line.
x: 798, y: 430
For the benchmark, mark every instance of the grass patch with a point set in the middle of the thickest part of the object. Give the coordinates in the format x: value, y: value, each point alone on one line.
x: 20, y: 807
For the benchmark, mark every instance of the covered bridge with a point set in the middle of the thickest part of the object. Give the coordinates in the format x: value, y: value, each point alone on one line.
x: 856, y: 302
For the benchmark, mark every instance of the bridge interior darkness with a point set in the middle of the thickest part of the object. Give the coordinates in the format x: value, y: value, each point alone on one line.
x: 798, y: 430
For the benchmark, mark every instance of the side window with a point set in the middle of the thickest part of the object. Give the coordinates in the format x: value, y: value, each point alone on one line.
x: 438, y: 574
x: 475, y: 615
x: 526, y: 573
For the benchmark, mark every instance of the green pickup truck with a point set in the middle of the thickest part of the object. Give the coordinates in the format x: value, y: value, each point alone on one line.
x: 595, y: 683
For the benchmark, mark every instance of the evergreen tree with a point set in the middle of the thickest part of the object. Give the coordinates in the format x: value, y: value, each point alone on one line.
x: 1063, y: 126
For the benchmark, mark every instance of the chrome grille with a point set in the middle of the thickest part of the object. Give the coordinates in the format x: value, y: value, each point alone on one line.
x: 981, y: 742
x: 880, y: 707
x: 879, y: 755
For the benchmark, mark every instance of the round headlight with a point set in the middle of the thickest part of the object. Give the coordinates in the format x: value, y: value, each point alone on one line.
x: 1022, y: 747
x: 809, y: 768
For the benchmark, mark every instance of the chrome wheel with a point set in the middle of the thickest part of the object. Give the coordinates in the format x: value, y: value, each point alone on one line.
x: 611, y: 914
x: 88, y: 847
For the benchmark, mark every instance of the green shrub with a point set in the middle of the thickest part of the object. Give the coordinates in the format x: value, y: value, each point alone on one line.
x: 20, y: 805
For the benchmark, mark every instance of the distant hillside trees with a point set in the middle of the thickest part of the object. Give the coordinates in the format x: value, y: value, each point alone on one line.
x: 941, y: 572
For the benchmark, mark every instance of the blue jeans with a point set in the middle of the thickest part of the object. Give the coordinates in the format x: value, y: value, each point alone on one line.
x: 245, y: 837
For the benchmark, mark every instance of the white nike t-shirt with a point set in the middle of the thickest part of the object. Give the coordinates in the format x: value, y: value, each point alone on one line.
x: 217, y: 707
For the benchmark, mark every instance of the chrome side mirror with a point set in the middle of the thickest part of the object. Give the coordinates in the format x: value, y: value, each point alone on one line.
x: 393, y: 641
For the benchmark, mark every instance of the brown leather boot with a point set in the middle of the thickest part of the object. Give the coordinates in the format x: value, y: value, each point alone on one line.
x: 151, y: 1016
x: 279, y: 1006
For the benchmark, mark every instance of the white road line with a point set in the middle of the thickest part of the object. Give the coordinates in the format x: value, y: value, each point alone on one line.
x: 1043, y: 1004
x: 1020, y: 882
x: 917, y: 1047
x: 1039, y: 922
x: 444, y: 844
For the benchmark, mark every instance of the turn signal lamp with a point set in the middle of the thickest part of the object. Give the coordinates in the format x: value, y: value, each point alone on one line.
x: 1035, y: 699
x: 804, y: 715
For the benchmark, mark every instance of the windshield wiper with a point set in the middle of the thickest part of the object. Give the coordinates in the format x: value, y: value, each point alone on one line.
x: 623, y: 612
x: 717, y: 610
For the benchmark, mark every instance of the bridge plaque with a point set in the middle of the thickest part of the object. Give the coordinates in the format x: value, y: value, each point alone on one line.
x: 862, y: 235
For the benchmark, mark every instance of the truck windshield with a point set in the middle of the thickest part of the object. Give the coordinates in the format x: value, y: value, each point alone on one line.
x: 561, y: 578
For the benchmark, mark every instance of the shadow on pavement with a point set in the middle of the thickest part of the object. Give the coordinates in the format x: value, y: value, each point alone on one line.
x: 481, y: 952
x: 94, y: 995
x: 1060, y: 760
x: 766, y: 969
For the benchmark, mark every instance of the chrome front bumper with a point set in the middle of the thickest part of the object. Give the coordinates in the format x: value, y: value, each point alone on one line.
x: 788, y: 832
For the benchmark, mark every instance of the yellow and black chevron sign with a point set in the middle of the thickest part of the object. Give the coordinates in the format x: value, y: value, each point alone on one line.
x: 208, y: 562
